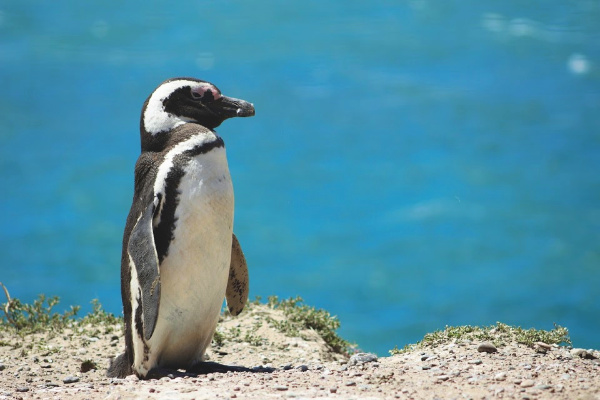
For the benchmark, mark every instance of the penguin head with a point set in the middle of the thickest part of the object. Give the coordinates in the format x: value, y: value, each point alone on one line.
x: 187, y: 100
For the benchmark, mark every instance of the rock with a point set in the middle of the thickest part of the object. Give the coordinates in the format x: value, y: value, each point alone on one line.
x: 22, y: 389
x: 362, y: 358
x: 475, y: 362
x: 487, y: 347
x: 501, y: 376
x: 2, y: 367
x: 280, y: 388
x: 71, y: 379
x: 350, y: 383
x: 333, y: 389
x: 541, y: 347
x: 586, y: 354
x: 302, y: 368
x: 527, y: 383
x: 87, y: 366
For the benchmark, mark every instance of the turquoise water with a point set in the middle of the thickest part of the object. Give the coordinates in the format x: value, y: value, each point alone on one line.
x: 411, y: 165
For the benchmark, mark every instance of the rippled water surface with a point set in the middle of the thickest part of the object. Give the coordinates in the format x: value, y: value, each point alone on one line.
x: 411, y: 165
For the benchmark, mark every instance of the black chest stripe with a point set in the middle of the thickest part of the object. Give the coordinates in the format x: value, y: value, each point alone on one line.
x: 163, y: 233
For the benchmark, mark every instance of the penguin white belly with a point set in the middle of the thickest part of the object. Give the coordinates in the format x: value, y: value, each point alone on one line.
x: 194, y: 273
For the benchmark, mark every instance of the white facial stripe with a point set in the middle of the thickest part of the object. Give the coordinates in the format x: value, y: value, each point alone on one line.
x: 156, y: 119
x: 161, y: 176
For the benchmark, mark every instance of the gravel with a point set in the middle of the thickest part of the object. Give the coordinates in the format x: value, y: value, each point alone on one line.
x: 307, y: 370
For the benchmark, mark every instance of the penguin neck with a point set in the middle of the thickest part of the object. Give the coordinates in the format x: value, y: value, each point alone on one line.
x: 164, y: 140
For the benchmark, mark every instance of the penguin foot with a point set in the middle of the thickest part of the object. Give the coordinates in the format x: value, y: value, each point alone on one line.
x: 119, y: 367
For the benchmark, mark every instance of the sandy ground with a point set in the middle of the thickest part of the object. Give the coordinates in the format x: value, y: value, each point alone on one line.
x: 51, y: 365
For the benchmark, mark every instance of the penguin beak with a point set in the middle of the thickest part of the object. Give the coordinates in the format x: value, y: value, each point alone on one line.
x: 229, y: 107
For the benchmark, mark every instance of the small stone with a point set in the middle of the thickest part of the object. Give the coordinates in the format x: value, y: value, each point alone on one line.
x: 501, y: 376
x: 22, y: 389
x: 543, y: 387
x: 541, y: 347
x: 443, y: 378
x: 362, y: 358
x: 476, y: 362
x: 280, y: 387
x: 2, y: 367
x: 87, y: 366
x: 527, y: 383
x: 333, y: 389
x: 586, y: 354
x: 302, y: 368
x: 487, y: 347
x: 350, y: 383
x: 71, y: 379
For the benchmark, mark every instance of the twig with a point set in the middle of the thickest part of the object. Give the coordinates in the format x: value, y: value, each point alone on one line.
x: 8, y: 304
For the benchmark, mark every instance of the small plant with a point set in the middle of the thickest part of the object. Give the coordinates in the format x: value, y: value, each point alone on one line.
x: 499, y: 334
x: 218, y: 339
x: 99, y: 316
x: 38, y: 316
x: 300, y: 316
x: 34, y: 317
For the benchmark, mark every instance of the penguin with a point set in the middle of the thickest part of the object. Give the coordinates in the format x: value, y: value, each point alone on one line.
x: 180, y: 258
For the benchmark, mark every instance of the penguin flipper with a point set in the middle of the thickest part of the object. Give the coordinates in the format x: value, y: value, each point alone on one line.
x: 238, y: 283
x: 142, y: 252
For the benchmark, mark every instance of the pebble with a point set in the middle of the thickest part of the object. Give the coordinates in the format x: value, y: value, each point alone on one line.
x: 333, y: 389
x: 302, y: 368
x: 350, y: 383
x: 22, y: 389
x: 2, y: 367
x: 71, y: 379
x: 577, y: 352
x: 476, y: 362
x: 527, y: 383
x: 280, y: 387
x: 501, y: 376
x: 362, y: 358
x: 486, y: 347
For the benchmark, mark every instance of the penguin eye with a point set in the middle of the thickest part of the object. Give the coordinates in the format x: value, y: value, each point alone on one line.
x: 205, y: 95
